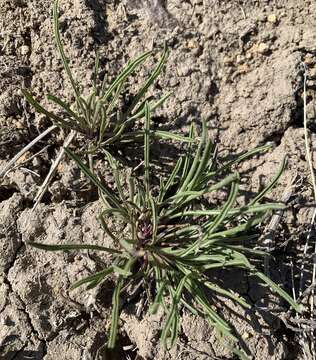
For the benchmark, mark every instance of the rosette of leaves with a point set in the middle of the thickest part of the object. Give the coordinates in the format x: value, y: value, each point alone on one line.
x: 175, y: 236
x: 100, y: 117
x: 103, y: 118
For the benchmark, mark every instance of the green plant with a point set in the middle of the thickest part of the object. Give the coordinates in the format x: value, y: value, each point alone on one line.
x: 102, y: 118
x: 175, y: 235
x: 99, y: 117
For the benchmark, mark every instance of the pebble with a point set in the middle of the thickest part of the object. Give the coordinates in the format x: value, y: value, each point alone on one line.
x: 25, y: 50
x: 246, y: 335
x: 60, y: 168
x: 37, y: 162
x: 23, y: 158
x: 228, y: 60
x: 309, y: 59
x: 173, y: 82
x: 240, y: 59
x: 243, y: 68
x: 272, y: 19
x: 263, y: 48
x: 312, y: 73
x: 19, y: 125
x: 184, y: 69
x: 194, y: 46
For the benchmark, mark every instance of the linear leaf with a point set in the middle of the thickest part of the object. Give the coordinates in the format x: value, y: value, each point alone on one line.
x: 211, y: 226
x: 116, y: 305
x: 68, y: 247
x: 150, y: 80
x: 146, y: 149
x: 95, y: 278
x: 65, y: 106
x: 130, y: 67
x: 272, y: 183
x: 245, y: 156
x: 276, y: 288
x: 115, y: 313
x: 62, y: 53
x: 173, y: 313
x: 248, y: 209
x: 95, y: 180
x: 39, y: 107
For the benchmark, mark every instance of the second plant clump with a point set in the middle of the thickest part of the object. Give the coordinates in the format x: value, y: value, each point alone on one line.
x: 175, y: 236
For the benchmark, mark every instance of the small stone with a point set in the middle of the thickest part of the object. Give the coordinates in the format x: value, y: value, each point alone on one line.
x: 312, y: 73
x: 184, y: 69
x: 272, y: 19
x: 173, y: 82
x: 19, y: 125
x: 37, y: 162
x: 263, y: 48
x: 192, y: 44
x: 23, y: 158
x: 243, y: 68
x: 24, y: 49
x: 246, y: 335
x: 228, y: 60
x: 60, y: 168
x: 309, y: 59
x: 240, y: 59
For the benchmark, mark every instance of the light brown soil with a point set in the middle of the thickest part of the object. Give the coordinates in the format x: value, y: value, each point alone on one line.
x: 237, y: 64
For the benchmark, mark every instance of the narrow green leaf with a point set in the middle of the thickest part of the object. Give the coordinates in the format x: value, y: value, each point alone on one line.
x: 154, y: 217
x: 130, y: 67
x: 153, y: 105
x: 96, y: 71
x: 173, y: 313
x: 95, y: 180
x: 115, y: 313
x: 122, y: 272
x: 115, y: 170
x: 195, y: 289
x: 116, y: 305
x: 170, y: 180
x: 272, y: 183
x: 68, y: 247
x: 156, y: 134
x: 278, y: 290
x: 95, y: 278
x: 258, y: 150
x: 190, y: 195
x: 63, y: 105
x: 62, y: 53
x: 38, y: 107
x: 150, y: 81
x: 248, y: 209
x: 166, y: 135
x: 187, y: 158
x: 226, y: 234
x: 226, y: 293
x: 208, y: 148
x: 146, y: 149
x: 196, y: 161
x: 131, y: 183
x: 212, y: 225
x: 157, y: 302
